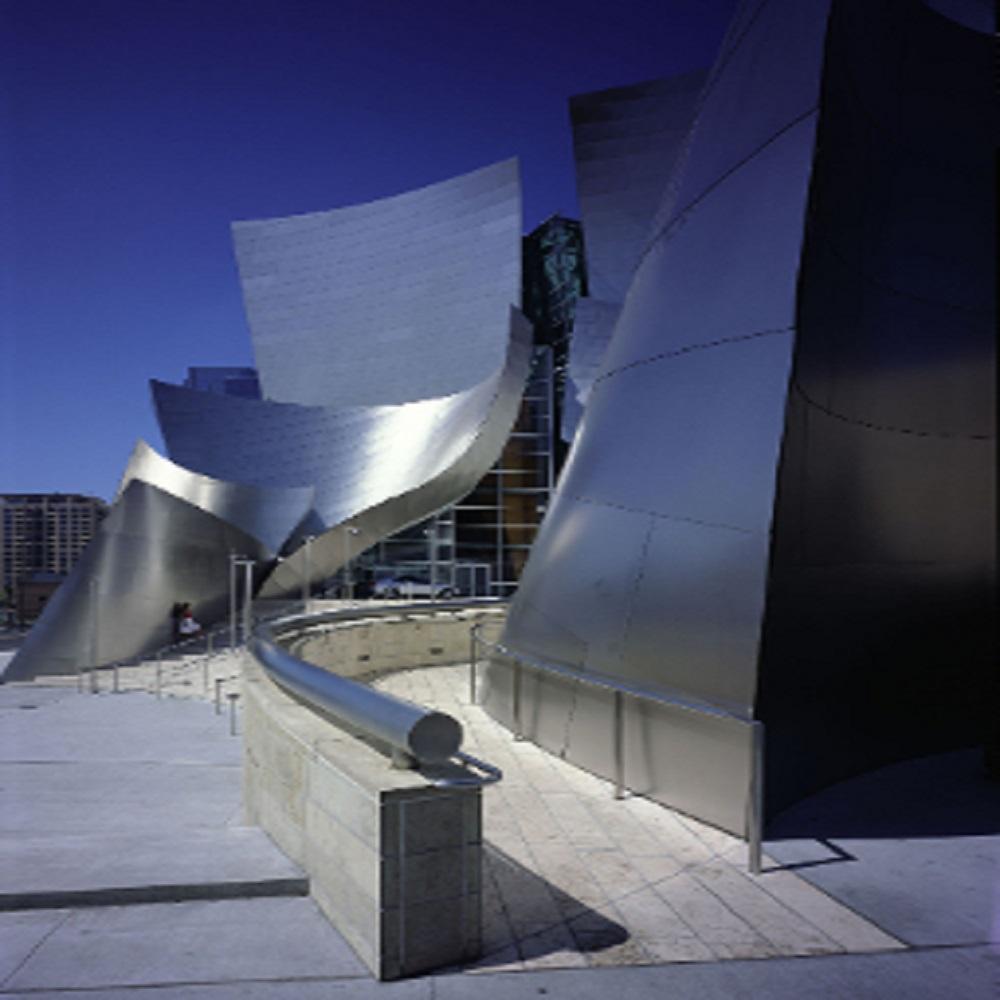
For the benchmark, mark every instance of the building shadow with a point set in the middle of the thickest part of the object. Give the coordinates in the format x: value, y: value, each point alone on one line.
x: 946, y: 795
x: 526, y: 917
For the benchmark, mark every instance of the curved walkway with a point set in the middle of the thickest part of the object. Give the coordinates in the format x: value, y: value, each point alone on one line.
x: 587, y: 897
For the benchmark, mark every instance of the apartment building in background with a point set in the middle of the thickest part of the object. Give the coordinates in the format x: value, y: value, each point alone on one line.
x: 41, y: 537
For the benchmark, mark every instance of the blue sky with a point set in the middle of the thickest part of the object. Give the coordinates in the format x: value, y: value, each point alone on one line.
x: 132, y: 132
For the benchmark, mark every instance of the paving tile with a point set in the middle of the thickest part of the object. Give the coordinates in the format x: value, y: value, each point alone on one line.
x: 614, y: 871
x: 21, y: 933
x: 647, y: 916
x: 555, y: 948
x: 790, y: 932
x: 712, y: 921
x: 850, y: 930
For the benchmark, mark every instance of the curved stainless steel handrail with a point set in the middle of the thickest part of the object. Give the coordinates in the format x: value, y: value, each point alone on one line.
x: 417, y: 733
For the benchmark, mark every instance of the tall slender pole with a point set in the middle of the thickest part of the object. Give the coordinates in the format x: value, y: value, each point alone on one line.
x: 349, y: 530
x: 247, y: 597
x: 94, y: 628
x: 307, y: 574
x: 232, y: 600
x: 755, y: 803
x: 433, y: 547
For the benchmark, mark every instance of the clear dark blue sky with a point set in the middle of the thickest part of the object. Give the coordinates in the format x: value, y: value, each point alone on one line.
x: 132, y: 132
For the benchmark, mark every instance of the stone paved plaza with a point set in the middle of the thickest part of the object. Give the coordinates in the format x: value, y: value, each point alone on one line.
x: 575, y: 878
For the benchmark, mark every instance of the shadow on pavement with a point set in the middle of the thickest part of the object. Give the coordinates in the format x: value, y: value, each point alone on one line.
x: 527, y: 914
x: 947, y: 795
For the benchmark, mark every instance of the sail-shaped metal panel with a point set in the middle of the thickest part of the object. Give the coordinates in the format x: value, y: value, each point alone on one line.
x: 395, y: 300
x: 626, y: 140
x: 781, y: 504
x: 651, y: 564
x: 153, y: 550
x: 392, y: 331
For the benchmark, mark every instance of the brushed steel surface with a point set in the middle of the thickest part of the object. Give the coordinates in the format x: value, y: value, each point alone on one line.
x: 651, y: 564
x: 626, y: 140
x: 403, y: 305
x: 269, y: 515
x: 153, y: 549
x: 879, y: 640
x: 782, y: 496
x: 422, y: 733
x: 395, y: 300
x: 449, y: 451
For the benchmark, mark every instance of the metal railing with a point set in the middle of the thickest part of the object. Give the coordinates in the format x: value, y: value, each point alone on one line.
x: 622, y: 690
x: 416, y: 736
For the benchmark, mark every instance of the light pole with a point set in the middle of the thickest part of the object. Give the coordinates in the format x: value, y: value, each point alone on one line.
x: 232, y: 600
x: 307, y: 574
x: 247, y: 597
x: 94, y: 629
x: 349, y: 530
x: 431, y: 534
x: 248, y: 565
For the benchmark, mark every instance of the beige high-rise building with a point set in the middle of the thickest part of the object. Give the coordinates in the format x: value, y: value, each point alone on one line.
x: 44, y: 533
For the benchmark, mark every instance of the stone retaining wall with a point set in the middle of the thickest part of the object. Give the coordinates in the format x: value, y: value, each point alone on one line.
x: 393, y: 862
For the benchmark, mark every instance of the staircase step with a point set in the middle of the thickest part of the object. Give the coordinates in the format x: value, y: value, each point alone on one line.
x: 99, y: 869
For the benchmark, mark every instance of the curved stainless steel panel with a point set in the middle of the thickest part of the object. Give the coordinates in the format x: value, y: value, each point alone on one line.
x: 651, y: 564
x: 879, y: 640
x: 433, y: 323
x: 269, y: 515
x: 395, y: 300
x: 593, y: 324
x: 153, y: 549
x: 842, y: 595
x: 442, y: 454
x: 379, y: 468
x: 626, y: 141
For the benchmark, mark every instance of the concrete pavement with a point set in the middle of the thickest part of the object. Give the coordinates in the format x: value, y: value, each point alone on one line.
x: 130, y: 794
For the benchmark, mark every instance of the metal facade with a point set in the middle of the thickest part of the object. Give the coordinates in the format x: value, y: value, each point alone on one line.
x: 395, y: 300
x: 828, y: 400
x: 626, y: 141
x: 153, y: 549
x: 316, y: 482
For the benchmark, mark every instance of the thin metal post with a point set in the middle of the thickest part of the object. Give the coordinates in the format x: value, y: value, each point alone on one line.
x: 232, y: 600
x: 247, y: 597
x: 204, y: 675
x: 218, y: 694
x: 114, y: 679
x: 349, y: 531
x: 233, y: 696
x: 472, y: 665
x: 755, y: 818
x: 79, y: 678
x: 432, y: 539
x: 159, y: 675
x: 93, y: 625
x: 307, y: 574
x: 95, y: 685
x: 619, y: 745
x: 518, y: 729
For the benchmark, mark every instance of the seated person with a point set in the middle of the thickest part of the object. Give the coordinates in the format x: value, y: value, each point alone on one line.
x: 187, y: 626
